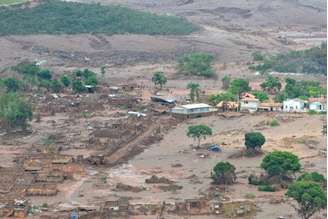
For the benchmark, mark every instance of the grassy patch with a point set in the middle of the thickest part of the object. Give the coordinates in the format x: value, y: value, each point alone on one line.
x: 55, y: 17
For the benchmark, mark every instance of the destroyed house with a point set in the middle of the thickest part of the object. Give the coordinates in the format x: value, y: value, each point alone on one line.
x: 163, y: 100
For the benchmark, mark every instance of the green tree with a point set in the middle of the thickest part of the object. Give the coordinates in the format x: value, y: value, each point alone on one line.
x: 55, y: 86
x: 309, y: 196
x: 217, y: 98
x: 313, y: 177
x: 226, y: 82
x: 239, y: 86
x: 198, y: 132
x: 91, y: 80
x: 281, y: 163
x: 224, y: 173
x: 159, y: 79
x: 78, y: 86
x: 199, y: 64
x: 12, y: 84
x: 194, y: 91
x: 27, y: 68
x: 254, y: 141
x: 271, y: 84
x: 262, y: 96
x: 65, y: 80
x: 14, y: 111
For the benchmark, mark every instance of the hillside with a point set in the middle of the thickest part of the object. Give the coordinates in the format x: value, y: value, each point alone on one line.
x: 54, y: 17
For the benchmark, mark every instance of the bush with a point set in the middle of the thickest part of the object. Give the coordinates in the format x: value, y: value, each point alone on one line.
x: 55, y: 17
x: 44, y: 74
x: 198, y: 64
x: 78, y: 86
x: 274, y: 122
x: 55, y: 86
x: 65, y: 80
x: 257, y: 56
x: 314, y: 177
x: 312, y: 112
x: 14, y: 111
x: 254, y: 140
x: 12, y: 84
x: 27, y: 68
x: 266, y: 188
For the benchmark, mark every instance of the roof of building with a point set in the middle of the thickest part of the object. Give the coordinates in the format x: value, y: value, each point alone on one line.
x: 317, y: 99
x: 248, y: 96
x: 295, y: 100
x: 195, y: 106
x: 270, y: 104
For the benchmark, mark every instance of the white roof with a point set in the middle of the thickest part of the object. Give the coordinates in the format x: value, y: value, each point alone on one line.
x: 196, y: 105
x: 295, y: 100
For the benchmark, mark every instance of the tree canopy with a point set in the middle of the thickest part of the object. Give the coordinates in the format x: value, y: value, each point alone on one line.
x: 197, y: 63
x: 254, y: 140
x: 239, y: 86
x: 280, y: 163
x: 309, y: 196
x: 225, y: 96
x: 224, y: 173
x: 271, y: 84
x: 198, y: 132
x: 194, y: 91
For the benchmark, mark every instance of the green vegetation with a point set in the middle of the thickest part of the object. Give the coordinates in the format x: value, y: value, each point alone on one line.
x: 280, y: 163
x: 312, y: 60
x: 313, y: 177
x: 309, y: 196
x: 198, y: 132
x: 78, y: 87
x: 254, y: 141
x: 65, y: 80
x: 226, y: 82
x: 239, y: 86
x: 266, y: 188
x: 197, y: 63
x: 224, y: 173
x: 159, y: 79
x: 11, y: 84
x: 262, y: 96
x: 274, y: 122
x: 55, y: 17
x: 271, y: 84
x: 14, y: 111
x: 194, y: 91
x: 258, y: 56
x: 300, y: 89
x: 217, y: 98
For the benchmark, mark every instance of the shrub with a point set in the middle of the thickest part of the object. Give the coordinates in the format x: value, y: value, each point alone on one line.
x: 274, y: 122
x: 27, y: 68
x: 314, y: 177
x: 55, y: 86
x: 257, y: 56
x: 44, y: 74
x: 78, y: 86
x: 199, y: 64
x: 12, y: 84
x: 65, y: 80
x: 266, y: 188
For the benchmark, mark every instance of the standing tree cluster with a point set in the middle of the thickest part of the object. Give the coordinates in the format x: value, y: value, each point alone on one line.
x: 197, y: 63
x: 159, y: 79
x: 14, y: 111
x: 254, y: 141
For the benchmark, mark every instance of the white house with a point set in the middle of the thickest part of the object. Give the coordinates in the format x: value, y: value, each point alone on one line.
x: 294, y: 105
x: 317, y: 106
x: 250, y: 105
x: 193, y: 109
